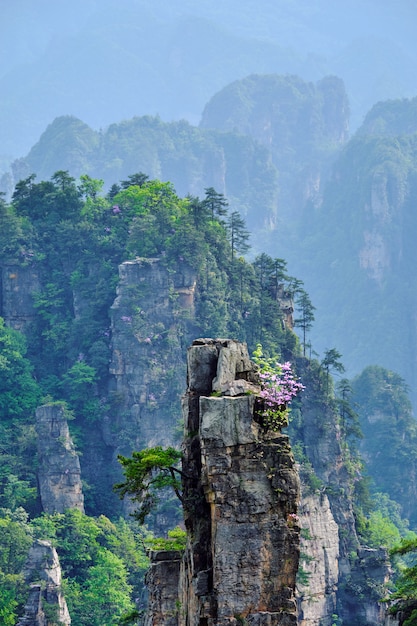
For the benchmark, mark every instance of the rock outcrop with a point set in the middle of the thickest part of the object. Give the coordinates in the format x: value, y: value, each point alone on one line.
x: 163, y: 580
x: 366, y: 585
x: 361, y: 572
x: 240, y: 495
x: 146, y: 387
x: 59, y: 473
x: 17, y: 285
x: 151, y: 319
x: 46, y: 604
x: 319, y: 561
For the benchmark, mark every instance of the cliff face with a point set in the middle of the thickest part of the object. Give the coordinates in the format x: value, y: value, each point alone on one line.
x: 319, y: 562
x: 59, y: 473
x: 240, y: 491
x: 300, y: 124
x: 46, y: 604
x: 341, y: 569
x: 148, y: 327
x: 17, y: 284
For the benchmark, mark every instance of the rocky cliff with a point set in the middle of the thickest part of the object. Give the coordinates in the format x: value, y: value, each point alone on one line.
x: 151, y: 319
x: 148, y: 328
x: 318, y: 577
x: 17, y: 284
x: 59, y: 473
x: 301, y: 125
x: 344, y: 575
x: 240, y: 495
x: 46, y: 605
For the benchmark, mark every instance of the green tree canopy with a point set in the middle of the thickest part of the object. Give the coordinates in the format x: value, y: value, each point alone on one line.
x: 148, y: 472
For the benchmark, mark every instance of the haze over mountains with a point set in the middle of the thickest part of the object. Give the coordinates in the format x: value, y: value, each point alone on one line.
x: 107, y: 61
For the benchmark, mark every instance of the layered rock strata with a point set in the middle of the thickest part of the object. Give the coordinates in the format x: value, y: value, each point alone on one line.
x: 59, y: 473
x: 46, y: 605
x: 240, y: 491
x: 147, y: 361
x: 319, y: 561
x: 150, y: 320
x: 162, y: 579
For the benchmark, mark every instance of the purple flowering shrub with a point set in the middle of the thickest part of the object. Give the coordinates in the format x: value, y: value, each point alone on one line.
x: 278, y: 387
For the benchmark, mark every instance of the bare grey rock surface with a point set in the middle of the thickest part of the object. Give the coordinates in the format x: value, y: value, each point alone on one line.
x: 147, y: 326
x: 59, y: 473
x: 18, y: 284
x: 316, y: 590
x: 46, y: 604
x: 240, y: 490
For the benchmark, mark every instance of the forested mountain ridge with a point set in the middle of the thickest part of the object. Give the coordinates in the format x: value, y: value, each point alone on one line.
x: 346, y: 228
x: 302, y: 125
x: 360, y: 242
x: 113, y: 363
x: 191, y: 158
x: 169, y: 58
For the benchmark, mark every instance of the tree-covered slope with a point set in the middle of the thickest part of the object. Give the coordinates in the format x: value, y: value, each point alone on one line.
x: 124, y: 281
x: 389, y: 444
x: 301, y: 124
x: 358, y: 256
x: 73, y: 238
x: 191, y: 158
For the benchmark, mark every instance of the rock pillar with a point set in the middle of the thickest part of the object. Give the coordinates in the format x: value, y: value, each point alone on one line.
x: 319, y: 563
x: 240, y: 491
x: 46, y: 605
x: 59, y: 473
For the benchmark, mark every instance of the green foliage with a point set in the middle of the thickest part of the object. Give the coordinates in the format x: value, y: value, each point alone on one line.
x: 11, y: 234
x: 405, y: 592
x: 238, y: 234
x: 19, y: 396
x: 148, y: 472
x: 381, y: 531
x: 77, y: 237
x: 390, y: 434
x: 104, y: 596
x: 15, y: 540
x: 412, y: 620
x: 311, y: 482
x: 349, y: 419
x: 176, y: 540
x: 331, y: 362
x: 103, y: 564
x: 306, y: 311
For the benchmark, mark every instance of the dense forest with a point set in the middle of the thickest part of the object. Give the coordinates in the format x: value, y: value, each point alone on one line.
x: 72, y: 237
x: 338, y: 210
x: 75, y: 238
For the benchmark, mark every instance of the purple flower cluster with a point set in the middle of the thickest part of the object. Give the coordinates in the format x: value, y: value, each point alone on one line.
x: 279, y: 387
x: 292, y: 520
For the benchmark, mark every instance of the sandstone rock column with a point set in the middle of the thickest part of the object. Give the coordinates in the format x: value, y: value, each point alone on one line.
x: 59, y: 473
x: 240, y: 498
x: 46, y: 605
x: 316, y: 595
